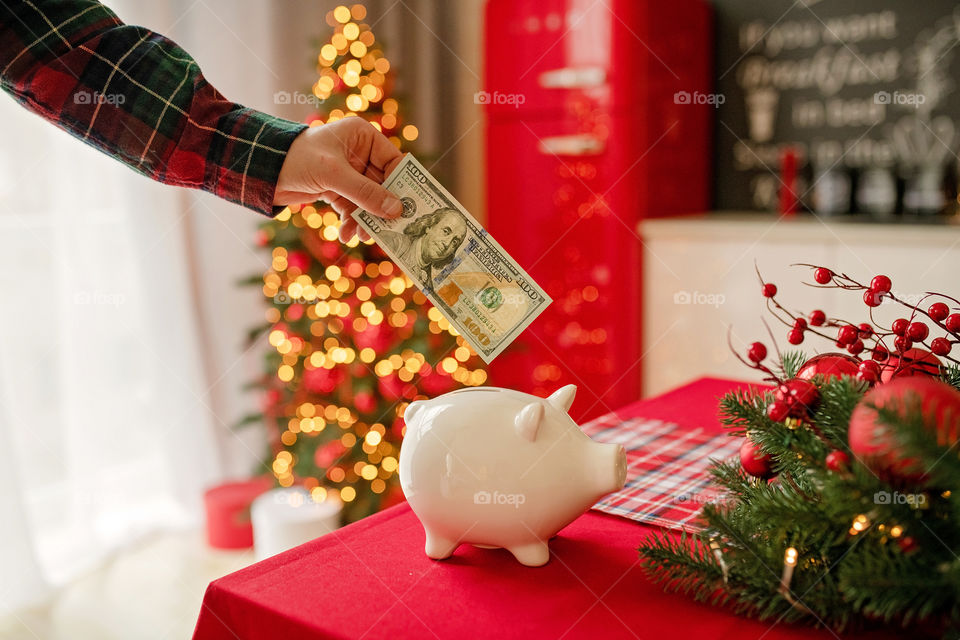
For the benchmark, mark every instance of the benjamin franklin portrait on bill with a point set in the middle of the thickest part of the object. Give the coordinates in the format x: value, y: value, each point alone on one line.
x: 429, y: 243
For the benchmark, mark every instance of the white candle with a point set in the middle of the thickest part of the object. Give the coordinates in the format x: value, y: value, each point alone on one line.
x: 285, y: 518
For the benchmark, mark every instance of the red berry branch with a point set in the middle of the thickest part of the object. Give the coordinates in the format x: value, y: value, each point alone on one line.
x: 905, y: 348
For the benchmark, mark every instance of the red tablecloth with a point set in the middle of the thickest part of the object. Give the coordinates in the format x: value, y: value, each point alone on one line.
x: 373, y: 580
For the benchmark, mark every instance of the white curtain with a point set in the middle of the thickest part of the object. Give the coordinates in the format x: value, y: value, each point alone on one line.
x: 106, y: 426
x: 122, y: 331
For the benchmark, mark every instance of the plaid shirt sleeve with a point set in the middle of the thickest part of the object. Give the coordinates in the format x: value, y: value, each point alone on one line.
x: 140, y: 98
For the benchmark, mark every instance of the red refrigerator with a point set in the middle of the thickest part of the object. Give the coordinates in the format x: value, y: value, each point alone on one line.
x: 598, y: 115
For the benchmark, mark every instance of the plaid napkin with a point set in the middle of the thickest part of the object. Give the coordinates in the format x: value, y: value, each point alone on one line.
x: 667, y: 478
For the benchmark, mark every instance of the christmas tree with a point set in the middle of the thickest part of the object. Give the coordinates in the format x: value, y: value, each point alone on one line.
x: 844, y: 508
x: 352, y: 340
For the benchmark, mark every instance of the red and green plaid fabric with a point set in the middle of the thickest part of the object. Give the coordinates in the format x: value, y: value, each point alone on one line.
x: 140, y: 98
x: 668, y: 477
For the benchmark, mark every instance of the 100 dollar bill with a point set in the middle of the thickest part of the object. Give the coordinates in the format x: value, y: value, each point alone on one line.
x: 473, y: 282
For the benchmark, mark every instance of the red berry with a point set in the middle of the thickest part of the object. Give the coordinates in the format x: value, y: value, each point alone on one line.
x: 869, y: 365
x: 817, y: 317
x: 757, y: 352
x: 837, y: 461
x: 880, y: 353
x: 881, y: 284
x: 799, y: 323
x: 872, y: 298
x: 778, y: 411
x: 903, y: 344
x: 940, y: 346
x: 900, y: 326
x: 823, y: 275
x: 847, y: 334
x: 917, y: 331
x: 855, y: 347
x: 952, y: 322
x: 769, y: 290
x: 795, y: 336
x: 868, y: 371
x: 866, y: 330
x: 938, y: 311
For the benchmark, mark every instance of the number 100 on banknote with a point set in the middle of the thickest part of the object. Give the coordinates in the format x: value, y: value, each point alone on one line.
x: 471, y: 280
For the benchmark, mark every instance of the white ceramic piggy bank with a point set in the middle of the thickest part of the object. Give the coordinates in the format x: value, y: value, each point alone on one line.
x: 499, y: 468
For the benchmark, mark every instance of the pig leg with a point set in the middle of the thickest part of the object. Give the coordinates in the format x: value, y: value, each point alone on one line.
x: 532, y: 554
x: 438, y: 547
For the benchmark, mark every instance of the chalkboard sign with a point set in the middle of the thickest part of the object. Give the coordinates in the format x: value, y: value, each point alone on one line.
x: 851, y: 86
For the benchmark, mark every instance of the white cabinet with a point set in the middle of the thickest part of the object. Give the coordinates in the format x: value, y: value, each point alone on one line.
x: 699, y: 279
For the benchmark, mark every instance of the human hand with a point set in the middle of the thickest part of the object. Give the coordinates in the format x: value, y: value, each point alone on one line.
x: 343, y: 163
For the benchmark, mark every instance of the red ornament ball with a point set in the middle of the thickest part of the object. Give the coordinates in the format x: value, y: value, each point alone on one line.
x: 838, y: 461
x: 778, y: 411
x: 769, y: 290
x: 802, y: 396
x: 938, y: 311
x: 299, y: 260
x: 829, y: 365
x: 875, y: 443
x: 881, y: 283
x: 365, y: 402
x: 757, y: 352
x: 907, y: 544
x: 817, y: 318
x: 754, y: 462
x: 823, y: 275
x: 912, y: 362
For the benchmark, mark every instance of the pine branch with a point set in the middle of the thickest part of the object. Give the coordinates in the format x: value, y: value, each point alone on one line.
x: 745, y: 408
x: 790, y: 363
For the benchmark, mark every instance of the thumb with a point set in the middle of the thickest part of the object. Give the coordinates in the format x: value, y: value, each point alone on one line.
x: 364, y: 192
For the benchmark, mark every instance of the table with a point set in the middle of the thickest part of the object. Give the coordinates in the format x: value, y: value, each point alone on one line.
x: 372, y: 579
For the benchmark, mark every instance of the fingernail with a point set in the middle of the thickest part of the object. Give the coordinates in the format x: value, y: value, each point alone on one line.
x: 392, y: 206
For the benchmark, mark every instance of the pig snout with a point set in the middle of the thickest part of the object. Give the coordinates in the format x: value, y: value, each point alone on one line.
x: 610, y: 465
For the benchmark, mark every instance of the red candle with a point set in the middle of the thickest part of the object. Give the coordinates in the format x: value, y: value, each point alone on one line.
x: 788, y: 182
x: 228, y: 512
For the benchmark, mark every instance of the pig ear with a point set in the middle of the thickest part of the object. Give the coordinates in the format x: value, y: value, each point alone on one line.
x: 562, y: 398
x: 528, y: 420
x: 411, y: 411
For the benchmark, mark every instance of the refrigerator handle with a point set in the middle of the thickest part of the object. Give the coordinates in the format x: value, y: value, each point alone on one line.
x: 572, y: 77
x: 572, y: 145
